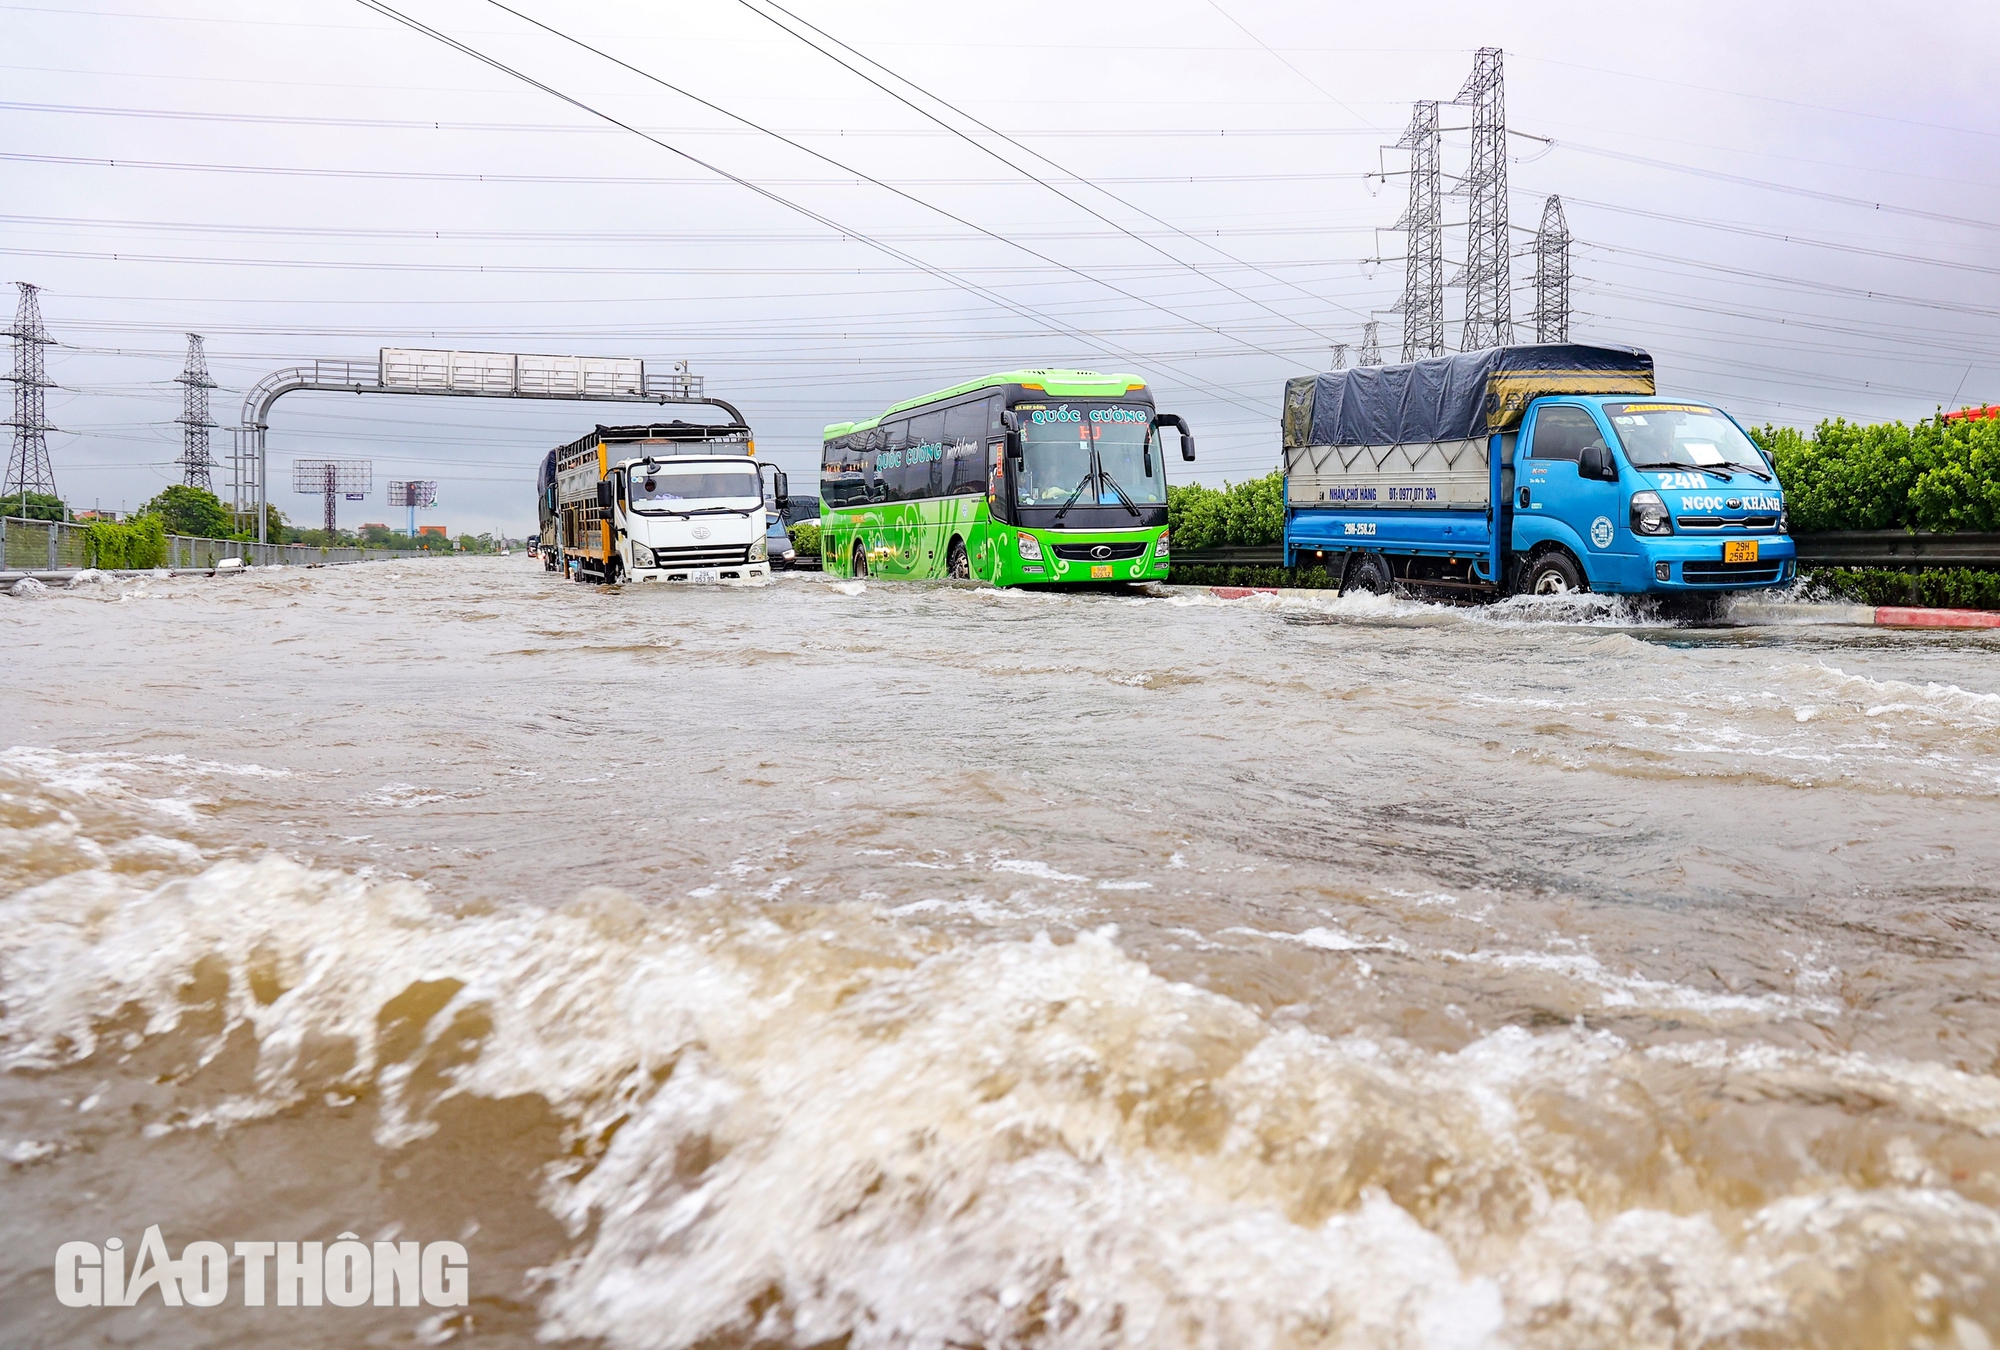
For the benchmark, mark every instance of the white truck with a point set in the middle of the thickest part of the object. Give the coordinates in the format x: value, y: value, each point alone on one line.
x: 673, y: 501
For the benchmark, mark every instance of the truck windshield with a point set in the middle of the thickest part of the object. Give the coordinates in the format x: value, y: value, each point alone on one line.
x: 1684, y: 436
x: 669, y: 489
x: 1058, y: 464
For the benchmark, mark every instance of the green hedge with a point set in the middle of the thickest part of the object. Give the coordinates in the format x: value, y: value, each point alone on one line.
x: 1243, y: 515
x: 805, y: 538
x: 141, y: 544
x: 1217, y: 574
x: 1935, y: 587
x: 1939, y: 476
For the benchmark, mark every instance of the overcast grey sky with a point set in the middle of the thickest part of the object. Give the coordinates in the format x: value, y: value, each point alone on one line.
x: 1794, y: 207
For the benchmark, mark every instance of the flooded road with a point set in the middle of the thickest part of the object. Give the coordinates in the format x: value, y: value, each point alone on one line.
x: 902, y: 965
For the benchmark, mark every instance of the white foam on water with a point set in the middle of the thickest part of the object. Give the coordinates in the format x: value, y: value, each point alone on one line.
x: 838, y: 1123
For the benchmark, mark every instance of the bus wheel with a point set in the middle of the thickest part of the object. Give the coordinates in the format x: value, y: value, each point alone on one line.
x: 1554, y: 574
x: 860, y: 567
x: 1371, y: 573
x: 957, y: 563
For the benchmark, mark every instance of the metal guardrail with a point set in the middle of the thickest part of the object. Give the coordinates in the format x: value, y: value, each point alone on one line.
x: 1898, y: 548
x: 62, y: 546
x: 1840, y: 548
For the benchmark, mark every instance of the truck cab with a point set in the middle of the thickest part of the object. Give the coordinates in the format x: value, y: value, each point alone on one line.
x: 1630, y: 495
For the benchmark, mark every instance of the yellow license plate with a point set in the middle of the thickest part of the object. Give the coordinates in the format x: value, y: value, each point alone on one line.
x: 1740, y: 551
x: 1099, y: 571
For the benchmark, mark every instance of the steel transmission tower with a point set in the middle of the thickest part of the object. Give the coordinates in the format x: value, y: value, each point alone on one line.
x: 1422, y: 305
x: 1489, y: 308
x: 28, y: 467
x: 1371, y: 343
x: 1339, y: 356
x: 1552, y: 274
x: 195, y: 426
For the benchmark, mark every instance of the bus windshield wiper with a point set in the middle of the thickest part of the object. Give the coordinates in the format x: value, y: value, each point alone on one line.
x: 1676, y: 464
x: 1088, y: 474
x: 1121, y: 494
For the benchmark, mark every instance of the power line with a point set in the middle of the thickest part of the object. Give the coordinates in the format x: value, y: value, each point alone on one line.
x: 988, y: 150
x: 912, y: 260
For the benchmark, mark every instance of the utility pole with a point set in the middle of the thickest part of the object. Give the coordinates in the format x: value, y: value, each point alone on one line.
x: 1371, y: 343
x: 1489, y: 309
x: 1552, y: 274
x: 195, y: 426
x: 1422, y: 305
x: 28, y: 467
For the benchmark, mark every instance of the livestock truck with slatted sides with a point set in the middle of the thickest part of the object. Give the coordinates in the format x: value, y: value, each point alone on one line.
x: 670, y: 501
x: 1544, y: 469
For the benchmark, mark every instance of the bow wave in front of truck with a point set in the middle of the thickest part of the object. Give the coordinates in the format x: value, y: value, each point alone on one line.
x: 1545, y: 469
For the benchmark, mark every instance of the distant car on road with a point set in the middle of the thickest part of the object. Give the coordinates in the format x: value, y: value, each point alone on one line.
x: 779, y: 544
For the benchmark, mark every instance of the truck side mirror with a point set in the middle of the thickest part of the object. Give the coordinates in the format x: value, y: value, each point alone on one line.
x: 781, y: 493
x: 1594, y: 461
x: 607, y: 493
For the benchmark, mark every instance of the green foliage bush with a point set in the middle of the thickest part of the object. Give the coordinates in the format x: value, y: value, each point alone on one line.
x: 1933, y: 587
x: 805, y: 537
x: 191, y: 511
x: 33, y: 506
x: 141, y: 544
x: 1240, y: 515
x: 1939, y: 476
x: 1217, y: 574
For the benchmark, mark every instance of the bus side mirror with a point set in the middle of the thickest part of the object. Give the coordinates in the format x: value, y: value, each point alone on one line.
x: 1187, y: 437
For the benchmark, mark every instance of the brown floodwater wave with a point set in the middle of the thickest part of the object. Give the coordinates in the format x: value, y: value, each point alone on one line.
x: 900, y: 965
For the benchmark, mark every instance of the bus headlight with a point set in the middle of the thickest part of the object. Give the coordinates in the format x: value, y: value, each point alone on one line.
x: 1649, y: 514
x: 1160, y: 545
x: 1031, y: 548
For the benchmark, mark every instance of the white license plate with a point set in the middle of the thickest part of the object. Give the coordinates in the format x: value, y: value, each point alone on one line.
x: 705, y: 574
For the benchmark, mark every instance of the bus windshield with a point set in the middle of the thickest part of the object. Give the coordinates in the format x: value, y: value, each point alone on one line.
x: 1090, y: 454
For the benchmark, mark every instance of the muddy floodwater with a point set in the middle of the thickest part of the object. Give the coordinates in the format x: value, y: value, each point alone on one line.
x: 867, y: 964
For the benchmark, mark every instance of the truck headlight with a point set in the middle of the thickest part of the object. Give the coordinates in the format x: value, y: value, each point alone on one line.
x: 1649, y: 514
x: 1784, y: 520
x: 1031, y: 548
x: 642, y: 556
x: 760, y: 550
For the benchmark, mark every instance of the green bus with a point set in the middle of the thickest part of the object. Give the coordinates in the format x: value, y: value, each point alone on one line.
x: 1030, y: 477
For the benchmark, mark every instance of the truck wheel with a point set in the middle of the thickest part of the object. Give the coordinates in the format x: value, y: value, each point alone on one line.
x: 1554, y: 574
x: 860, y: 567
x: 1370, y: 573
x: 957, y: 564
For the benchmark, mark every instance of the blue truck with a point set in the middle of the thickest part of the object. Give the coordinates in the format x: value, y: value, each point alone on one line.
x: 1542, y: 469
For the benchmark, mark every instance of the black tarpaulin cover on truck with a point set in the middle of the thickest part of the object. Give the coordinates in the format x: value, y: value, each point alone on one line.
x: 1452, y: 398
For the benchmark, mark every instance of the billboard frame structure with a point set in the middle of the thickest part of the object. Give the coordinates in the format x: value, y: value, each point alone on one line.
x: 414, y: 493
x: 441, y: 373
